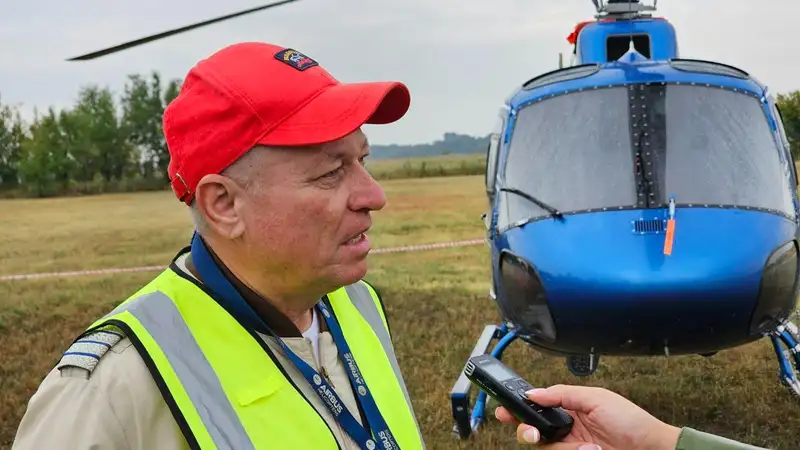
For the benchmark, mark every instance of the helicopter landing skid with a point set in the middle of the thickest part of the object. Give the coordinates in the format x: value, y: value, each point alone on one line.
x: 468, y: 420
x: 788, y: 335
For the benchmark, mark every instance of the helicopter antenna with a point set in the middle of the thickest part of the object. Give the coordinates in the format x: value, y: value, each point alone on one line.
x: 631, y: 45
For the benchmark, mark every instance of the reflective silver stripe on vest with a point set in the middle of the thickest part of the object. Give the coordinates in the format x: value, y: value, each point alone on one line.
x: 164, y: 323
x: 362, y: 300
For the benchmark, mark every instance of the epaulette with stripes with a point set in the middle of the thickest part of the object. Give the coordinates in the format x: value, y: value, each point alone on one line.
x: 86, y: 352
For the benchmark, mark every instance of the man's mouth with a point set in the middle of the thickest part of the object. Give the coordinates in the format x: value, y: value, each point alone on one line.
x: 355, y: 240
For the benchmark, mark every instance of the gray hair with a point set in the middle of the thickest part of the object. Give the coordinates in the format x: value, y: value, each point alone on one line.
x: 243, y: 171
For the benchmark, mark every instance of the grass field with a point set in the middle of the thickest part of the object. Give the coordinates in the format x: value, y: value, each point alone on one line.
x: 436, y: 301
x: 431, y: 166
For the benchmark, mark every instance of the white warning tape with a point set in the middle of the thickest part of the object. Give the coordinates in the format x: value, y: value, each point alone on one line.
x: 416, y: 248
x: 75, y: 273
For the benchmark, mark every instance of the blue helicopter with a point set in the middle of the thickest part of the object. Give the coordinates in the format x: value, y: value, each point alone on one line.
x: 641, y: 204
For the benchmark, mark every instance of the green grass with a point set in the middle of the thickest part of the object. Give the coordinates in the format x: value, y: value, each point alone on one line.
x: 142, y: 229
x: 436, y: 301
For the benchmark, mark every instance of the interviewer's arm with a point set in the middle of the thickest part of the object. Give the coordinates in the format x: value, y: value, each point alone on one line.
x: 604, y: 419
x: 691, y: 439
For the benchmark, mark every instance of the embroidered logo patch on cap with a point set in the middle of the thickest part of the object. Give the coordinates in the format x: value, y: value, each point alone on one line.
x: 295, y: 59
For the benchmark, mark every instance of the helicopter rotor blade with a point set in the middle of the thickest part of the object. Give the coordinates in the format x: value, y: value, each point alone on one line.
x: 162, y: 35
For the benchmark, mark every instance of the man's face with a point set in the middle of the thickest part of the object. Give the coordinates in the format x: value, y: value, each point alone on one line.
x: 307, y: 217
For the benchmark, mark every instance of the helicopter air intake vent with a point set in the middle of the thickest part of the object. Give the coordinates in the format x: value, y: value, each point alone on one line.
x: 711, y: 67
x: 561, y: 75
x: 649, y: 226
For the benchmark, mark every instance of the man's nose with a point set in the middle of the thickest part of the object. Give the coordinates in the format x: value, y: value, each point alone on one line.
x: 368, y: 194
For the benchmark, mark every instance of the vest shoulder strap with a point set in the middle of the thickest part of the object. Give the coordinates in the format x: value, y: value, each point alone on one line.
x: 86, y: 351
x: 381, y: 307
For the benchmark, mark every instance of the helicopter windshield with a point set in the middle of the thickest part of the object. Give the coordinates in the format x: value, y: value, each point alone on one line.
x: 635, y: 146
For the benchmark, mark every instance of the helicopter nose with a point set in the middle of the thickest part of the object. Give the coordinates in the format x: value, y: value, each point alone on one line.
x: 623, y: 295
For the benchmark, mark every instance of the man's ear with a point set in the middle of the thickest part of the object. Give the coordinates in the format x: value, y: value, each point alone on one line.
x: 217, y: 197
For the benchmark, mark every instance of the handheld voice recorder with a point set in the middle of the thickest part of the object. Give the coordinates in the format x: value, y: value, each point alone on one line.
x: 508, y: 388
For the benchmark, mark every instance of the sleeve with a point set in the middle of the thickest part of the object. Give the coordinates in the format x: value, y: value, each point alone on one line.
x: 691, y: 439
x: 69, y: 411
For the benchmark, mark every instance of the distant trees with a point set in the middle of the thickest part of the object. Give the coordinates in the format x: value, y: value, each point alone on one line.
x: 789, y: 105
x: 99, y: 145
x: 451, y: 143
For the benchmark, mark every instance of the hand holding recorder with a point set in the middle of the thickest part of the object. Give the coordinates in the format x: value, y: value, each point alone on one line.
x: 600, y: 417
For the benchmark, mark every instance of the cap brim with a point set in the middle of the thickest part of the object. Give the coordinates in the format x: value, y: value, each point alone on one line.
x: 340, y: 110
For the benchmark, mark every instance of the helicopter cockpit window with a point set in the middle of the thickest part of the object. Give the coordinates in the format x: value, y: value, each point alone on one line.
x: 572, y: 152
x: 720, y: 150
x: 595, y: 149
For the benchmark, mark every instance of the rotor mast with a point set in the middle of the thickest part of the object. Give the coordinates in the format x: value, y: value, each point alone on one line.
x: 622, y: 9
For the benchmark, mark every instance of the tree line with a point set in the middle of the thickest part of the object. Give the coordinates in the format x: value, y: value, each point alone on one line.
x: 789, y: 106
x: 102, y: 144
x: 99, y: 145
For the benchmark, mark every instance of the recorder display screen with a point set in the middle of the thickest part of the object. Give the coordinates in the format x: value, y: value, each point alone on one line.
x: 498, y: 371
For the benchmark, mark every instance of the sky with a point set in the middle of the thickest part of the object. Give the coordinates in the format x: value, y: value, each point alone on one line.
x: 460, y: 58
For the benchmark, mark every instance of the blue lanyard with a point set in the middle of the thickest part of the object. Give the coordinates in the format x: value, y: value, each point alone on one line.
x: 214, y: 279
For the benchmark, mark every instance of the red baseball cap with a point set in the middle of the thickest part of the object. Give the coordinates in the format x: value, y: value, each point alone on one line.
x: 258, y: 93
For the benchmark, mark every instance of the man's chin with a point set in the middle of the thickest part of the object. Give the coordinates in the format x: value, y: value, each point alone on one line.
x: 352, y: 272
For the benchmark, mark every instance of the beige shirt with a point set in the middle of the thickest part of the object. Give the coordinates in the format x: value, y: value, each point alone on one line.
x: 120, y: 407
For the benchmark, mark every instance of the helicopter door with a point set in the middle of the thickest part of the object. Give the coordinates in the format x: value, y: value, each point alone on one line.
x: 492, y: 153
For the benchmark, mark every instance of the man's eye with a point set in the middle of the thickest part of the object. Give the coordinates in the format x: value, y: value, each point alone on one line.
x: 333, y: 173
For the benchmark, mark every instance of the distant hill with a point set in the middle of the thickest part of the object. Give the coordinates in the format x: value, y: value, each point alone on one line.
x: 453, y: 143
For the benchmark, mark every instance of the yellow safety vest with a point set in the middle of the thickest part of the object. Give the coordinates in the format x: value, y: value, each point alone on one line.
x: 223, y: 388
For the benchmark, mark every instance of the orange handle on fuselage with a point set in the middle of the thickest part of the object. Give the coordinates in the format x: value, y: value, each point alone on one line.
x: 670, y: 237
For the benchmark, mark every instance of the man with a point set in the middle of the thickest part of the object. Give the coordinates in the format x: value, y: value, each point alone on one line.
x: 261, y: 334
